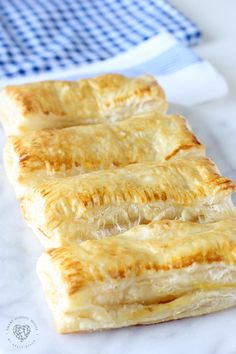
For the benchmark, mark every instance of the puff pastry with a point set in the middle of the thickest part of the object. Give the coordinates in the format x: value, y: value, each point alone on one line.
x: 103, y: 203
x: 58, y: 104
x: 82, y: 149
x: 158, y: 272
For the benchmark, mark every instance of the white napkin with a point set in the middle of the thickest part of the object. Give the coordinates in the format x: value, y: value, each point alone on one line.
x: 186, y: 78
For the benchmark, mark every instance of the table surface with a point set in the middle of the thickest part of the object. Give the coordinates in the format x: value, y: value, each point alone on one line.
x: 21, y: 294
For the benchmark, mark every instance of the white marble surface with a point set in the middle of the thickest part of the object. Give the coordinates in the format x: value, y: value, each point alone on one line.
x: 20, y: 290
x: 21, y: 293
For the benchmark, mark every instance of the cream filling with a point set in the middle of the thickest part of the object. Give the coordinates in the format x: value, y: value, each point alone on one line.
x: 114, y: 220
x: 23, y: 180
x: 195, y: 303
x: 154, y: 297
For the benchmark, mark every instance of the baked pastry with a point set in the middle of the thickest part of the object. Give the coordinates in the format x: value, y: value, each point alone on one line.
x: 153, y: 273
x: 104, y: 203
x: 59, y: 104
x: 76, y: 150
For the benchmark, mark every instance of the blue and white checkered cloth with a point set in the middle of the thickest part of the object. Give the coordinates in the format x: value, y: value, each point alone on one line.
x: 38, y: 37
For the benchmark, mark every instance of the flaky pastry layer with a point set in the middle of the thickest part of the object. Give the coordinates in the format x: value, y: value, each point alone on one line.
x: 105, y: 203
x: 59, y: 104
x: 153, y: 273
x: 77, y: 150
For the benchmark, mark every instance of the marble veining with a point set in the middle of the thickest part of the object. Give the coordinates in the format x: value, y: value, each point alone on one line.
x: 21, y: 293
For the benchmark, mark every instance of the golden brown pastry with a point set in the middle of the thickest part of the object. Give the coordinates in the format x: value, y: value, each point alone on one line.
x: 158, y: 272
x: 59, y: 104
x: 105, y: 203
x: 82, y: 149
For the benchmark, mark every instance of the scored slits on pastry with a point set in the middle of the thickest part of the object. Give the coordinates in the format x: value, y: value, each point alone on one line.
x: 153, y: 273
x: 59, y: 104
x: 82, y: 149
x: 108, y: 202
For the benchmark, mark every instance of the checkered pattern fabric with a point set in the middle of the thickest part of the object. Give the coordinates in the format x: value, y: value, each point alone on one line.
x: 42, y: 36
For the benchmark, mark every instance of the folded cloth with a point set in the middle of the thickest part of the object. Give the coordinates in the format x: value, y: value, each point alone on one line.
x: 186, y: 78
x: 43, y: 36
x: 71, y: 39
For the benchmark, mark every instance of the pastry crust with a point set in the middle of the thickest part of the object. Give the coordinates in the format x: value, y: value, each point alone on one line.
x: 77, y: 150
x: 105, y: 203
x: 158, y: 272
x: 59, y: 104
